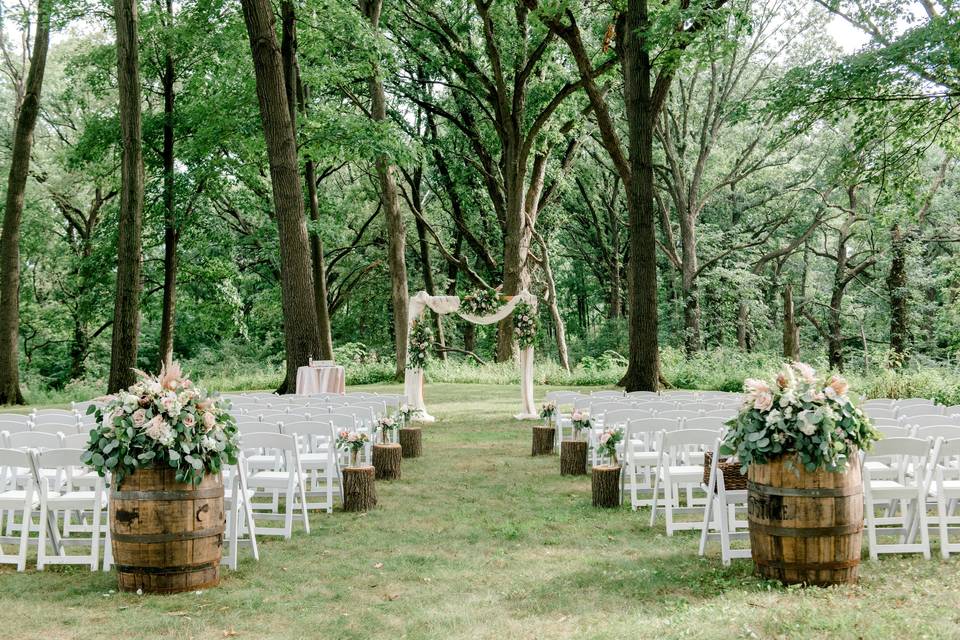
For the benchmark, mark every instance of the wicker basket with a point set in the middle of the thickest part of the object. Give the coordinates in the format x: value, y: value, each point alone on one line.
x: 733, y: 480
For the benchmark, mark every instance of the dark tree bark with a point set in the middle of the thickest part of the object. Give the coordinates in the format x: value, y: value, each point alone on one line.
x: 296, y: 285
x: 791, y: 332
x: 13, y: 212
x: 298, y: 94
x: 396, y: 231
x: 171, y: 231
x: 126, y: 313
x: 897, y: 289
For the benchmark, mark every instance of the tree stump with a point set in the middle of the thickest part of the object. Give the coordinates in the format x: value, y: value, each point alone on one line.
x: 411, y: 442
x: 543, y: 440
x: 573, y: 458
x: 386, y: 460
x: 359, y: 489
x: 606, y: 485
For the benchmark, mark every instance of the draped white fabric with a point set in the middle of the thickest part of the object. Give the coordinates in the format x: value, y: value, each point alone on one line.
x: 413, y: 378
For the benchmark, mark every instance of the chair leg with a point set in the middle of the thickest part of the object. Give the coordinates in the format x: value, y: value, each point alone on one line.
x: 24, y: 530
x: 656, y: 491
x: 871, y: 526
x: 42, y: 537
x: 942, y: 524
x: 707, y: 512
x: 924, y: 523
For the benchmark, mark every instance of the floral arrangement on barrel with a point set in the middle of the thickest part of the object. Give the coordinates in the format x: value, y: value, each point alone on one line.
x: 607, y: 443
x: 547, y: 412
x: 406, y: 414
x: 385, y: 425
x: 162, y: 420
x: 798, y: 414
x: 525, y: 324
x: 421, y: 339
x: 354, y: 442
x: 580, y: 421
x: 480, y: 302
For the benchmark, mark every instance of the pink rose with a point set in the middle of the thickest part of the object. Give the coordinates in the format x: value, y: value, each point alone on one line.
x: 807, y: 373
x: 189, y: 421
x: 209, y: 420
x: 839, y: 385
x: 763, y: 402
x: 604, y: 437
x: 139, y: 417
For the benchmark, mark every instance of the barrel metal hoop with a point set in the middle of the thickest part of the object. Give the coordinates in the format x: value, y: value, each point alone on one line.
x: 818, y: 492
x: 812, y: 566
x: 160, y: 571
x: 151, y: 538
x: 807, y: 532
x: 196, y: 494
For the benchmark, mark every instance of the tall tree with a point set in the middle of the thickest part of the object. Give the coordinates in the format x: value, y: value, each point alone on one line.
x: 396, y: 230
x: 296, y: 284
x: 126, y: 310
x: 26, y: 120
x: 171, y: 231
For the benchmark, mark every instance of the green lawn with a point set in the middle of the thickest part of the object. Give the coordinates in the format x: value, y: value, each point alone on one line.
x: 479, y: 540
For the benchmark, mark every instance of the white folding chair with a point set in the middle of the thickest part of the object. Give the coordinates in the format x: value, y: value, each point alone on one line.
x: 928, y: 421
x: 640, y: 458
x: 917, y: 407
x: 237, y: 500
x: 902, y: 494
x: 11, y: 426
x: 721, y: 513
x: 675, y: 471
x: 14, y: 500
x: 878, y: 411
x: 889, y: 431
x: 948, y: 495
x: 318, y: 459
x: 287, y: 479
x: 68, y: 498
x: 947, y: 432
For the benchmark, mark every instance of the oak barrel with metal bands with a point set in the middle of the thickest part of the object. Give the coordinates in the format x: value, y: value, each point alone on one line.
x: 167, y: 535
x: 805, y: 527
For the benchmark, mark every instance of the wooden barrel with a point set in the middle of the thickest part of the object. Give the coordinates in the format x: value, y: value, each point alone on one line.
x: 805, y: 527
x: 167, y: 535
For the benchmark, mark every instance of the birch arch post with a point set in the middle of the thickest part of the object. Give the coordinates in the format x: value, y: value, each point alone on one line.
x: 413, y: 378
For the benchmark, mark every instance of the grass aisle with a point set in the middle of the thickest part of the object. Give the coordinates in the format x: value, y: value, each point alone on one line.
x: 479, y: 540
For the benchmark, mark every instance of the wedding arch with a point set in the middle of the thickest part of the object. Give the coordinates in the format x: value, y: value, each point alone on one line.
x: 442, y: 305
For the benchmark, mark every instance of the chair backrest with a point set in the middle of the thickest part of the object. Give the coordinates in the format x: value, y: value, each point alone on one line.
x: 880, y: 412
x: 654, y: 425
x: 61, y: 458
x: 894, y: 431
x: 926, y: 421
x: 651, y: 395
x: 305, y: 428
x: 623, y: 416
x: 342, y: 421
x: 949, y: 454
x: 598, y: 409
x: 60, y: 418
x: 14, y: 427
x: 699, y: 406
x: 270, y: 415
x: 879, y: 402
x: 917, y: 407
x: 13, y: 459
x: 606, y: 394
x: 248, y: 426
x: 689, y: 437
x: 886, y: 422
x: 680, y: 396
x: 65, y: 413
x: 947, y: 432
x: 709, y: 423
x: 656, y: 405
x: 272, y: 441
x: 677, y: 413
x: 76, y: 441
x: 582, y: 403
x: 19, y: 418
x: 725, y: 414
x: 562, y: 397
x: 379, y: 407
x: 57, y: 427
x: 34, y: 440
x: 900, y: 446
x: 952, y: 410
x: 363, y: 414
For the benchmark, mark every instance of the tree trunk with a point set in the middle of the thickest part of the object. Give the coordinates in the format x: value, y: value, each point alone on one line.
x: 692, y: 340
x: 560, y: 329
x: 897, y: 289
x: 573, y: 458
x: 318, y: 260
x: 469, y: 336
x: 411, y: 441
x: 542, y: 441
x: 359, y: 489
x: 13, y: 212
x: 605, y: 486
x: 386, y: 461
x: 297, y: 293
x: 791, y: 332
x: 426, y: 267
x: 171, y: 233
x: 643, y: 370
x: 396, y: 232
x: 743, y: 327
x: 126, y: 314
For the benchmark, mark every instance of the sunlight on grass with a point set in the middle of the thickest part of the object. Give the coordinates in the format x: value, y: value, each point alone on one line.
x: 479, y: 540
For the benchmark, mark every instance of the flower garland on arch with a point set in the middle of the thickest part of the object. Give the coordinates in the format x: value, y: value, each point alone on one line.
x: 525, y: 324
x: 421, y: 339
x: 480, y: 302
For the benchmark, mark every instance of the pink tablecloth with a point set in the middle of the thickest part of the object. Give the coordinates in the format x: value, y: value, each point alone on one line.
x: 324, y: 379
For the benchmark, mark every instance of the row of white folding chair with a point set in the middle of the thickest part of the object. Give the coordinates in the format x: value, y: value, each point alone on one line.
x: 641, y: 425
x: 947, y: 431
x: 909, y: 413
x: 680, y: 468
x: 280, y: 476
x: 57, y: 482
x: 41, y: 440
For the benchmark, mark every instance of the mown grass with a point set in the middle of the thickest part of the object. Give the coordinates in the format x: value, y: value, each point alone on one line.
x: 479, y: 540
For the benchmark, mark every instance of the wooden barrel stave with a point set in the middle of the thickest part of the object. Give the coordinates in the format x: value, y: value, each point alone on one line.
x: 167, y: 536
x: 806, y: 528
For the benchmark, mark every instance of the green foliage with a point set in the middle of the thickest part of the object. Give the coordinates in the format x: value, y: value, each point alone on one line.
x: 420, y: 343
